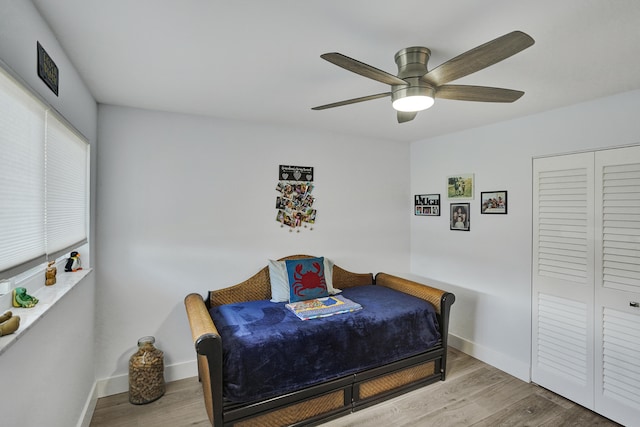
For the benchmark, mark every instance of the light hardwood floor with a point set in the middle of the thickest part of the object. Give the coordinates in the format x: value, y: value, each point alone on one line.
x: 474, y: 394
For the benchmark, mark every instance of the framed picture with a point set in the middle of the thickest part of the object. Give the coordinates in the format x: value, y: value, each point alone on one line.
x: 493, y: 202
x: 459, y: 217
x: 460, y: 186
x: 426, y: 205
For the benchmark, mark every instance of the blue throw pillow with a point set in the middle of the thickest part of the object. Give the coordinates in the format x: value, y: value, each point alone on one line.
x: 306, y: 279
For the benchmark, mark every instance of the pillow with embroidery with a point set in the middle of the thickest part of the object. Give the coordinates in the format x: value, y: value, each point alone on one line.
x: 280, y: 281
x: 306, y: 279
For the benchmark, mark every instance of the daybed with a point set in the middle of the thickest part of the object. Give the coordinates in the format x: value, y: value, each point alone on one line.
x: 332, y: 365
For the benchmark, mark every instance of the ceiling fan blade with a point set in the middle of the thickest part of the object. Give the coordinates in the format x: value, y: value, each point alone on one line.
x: 478, y: 93
x: 479, y: 58
x: 406, y: 116
x: 352, y: 101
x: 361, y: 68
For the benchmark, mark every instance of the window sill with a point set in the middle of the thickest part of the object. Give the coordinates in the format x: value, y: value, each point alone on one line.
x: 48, y: 296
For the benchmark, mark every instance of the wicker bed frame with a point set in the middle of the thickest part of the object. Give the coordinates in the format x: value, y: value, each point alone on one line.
x: 327, y: 400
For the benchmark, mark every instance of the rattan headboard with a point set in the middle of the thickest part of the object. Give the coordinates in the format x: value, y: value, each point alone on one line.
x: 258, y: 286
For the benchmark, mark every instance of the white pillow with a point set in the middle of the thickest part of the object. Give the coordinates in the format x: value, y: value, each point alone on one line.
x: 280, y: 280
x: 328, y: 276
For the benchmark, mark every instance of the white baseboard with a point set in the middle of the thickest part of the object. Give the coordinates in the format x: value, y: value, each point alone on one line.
x: 498, y: 360
x: 89, y: 407
x: 180, y: 371
x: 120, y: 383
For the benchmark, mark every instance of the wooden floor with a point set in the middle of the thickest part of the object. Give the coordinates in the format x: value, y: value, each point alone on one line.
x: 474, y: 394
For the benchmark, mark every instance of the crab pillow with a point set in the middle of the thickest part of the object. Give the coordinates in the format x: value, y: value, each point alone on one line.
x: 280, y: 281
x: 306, y: 279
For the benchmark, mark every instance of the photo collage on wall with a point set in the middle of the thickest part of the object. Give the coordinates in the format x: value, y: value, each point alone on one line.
x: 295, y: 201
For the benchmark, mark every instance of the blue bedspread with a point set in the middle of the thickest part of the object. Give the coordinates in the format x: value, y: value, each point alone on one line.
x: 268, y: 351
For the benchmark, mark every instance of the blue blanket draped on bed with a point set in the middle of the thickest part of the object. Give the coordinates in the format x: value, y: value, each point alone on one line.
x: 268, y: 351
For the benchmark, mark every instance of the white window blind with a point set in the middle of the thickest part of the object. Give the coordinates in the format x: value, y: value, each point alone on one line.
x: 43, y: 181
x: 66, y: 188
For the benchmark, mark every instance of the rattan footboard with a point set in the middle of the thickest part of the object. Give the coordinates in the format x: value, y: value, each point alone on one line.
x: 324, y: 401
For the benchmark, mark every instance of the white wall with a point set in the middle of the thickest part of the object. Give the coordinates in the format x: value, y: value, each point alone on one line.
x: 47, y: 375
x: 489, y: 267
x: 187, y: 204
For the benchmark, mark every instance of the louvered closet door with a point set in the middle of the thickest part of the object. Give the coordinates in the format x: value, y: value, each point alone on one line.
x: 563, y: 276
x: 617, y: 321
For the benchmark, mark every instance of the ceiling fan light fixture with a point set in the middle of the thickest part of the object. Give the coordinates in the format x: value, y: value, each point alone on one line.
x: 412, y: 99
x: 413, y: 103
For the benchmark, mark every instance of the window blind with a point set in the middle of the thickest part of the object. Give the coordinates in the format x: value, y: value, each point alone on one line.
x: 66, y: 188
x: 43, y: 181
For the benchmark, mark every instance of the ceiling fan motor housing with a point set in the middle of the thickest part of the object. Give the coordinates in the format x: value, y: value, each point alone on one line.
x: 412, y: 65
x: 412, y: 61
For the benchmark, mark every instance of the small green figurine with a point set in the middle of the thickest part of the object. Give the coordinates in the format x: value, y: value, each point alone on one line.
x: 22, y: 299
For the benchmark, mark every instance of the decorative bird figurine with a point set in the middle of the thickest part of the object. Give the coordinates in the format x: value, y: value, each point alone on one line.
x: 73, y: 263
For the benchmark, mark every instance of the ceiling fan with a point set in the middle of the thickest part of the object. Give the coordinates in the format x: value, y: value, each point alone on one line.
x: 415, y: 87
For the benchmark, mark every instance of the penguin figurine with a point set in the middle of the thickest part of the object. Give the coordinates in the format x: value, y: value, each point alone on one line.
x: 73, y: 263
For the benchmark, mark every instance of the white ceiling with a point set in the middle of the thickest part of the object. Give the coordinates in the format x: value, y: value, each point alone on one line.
x: 260, y: 60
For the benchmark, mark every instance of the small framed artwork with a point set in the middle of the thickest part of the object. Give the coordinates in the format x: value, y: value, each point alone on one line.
x: 47, y: 69
x: 459, y: 217
x: 460, y: 186
x: 493, y: 202
x: 427, y: 204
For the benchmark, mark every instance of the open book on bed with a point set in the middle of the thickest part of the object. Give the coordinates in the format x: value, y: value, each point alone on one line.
x: 323, y: 307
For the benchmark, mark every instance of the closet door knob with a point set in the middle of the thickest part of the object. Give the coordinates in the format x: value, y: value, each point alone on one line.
x: 634, y: 304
